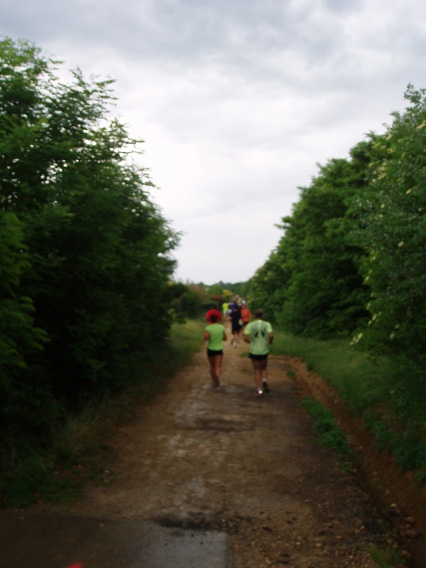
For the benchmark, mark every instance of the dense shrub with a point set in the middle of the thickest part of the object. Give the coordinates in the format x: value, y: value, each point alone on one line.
x: 84, y: 263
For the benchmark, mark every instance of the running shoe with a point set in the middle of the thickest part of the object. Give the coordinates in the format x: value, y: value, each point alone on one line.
x: 258, y: 392
x: 265, y: 386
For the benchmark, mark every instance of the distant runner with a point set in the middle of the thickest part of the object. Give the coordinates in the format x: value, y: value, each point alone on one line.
x: 225, y: 311
x: 236, y: 323
x: 245, y: 315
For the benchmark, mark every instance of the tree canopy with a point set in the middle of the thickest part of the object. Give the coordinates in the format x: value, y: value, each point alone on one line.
x: 85, y: 259
x: 351, y: 260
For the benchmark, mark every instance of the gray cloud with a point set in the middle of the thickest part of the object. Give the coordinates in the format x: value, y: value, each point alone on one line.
x: 237, y: 100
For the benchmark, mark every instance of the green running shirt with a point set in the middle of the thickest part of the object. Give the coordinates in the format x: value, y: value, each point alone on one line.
x: 216, y: 331
x: 259, y: 331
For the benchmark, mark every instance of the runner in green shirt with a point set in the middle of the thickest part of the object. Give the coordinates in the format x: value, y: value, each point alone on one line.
x: 260, y: 335
x: 215, y: 334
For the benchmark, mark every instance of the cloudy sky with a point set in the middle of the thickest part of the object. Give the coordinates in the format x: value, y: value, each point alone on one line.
x: 237, y: 100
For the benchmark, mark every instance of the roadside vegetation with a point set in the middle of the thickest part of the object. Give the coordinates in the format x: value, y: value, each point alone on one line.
x: 81, y: 440
x: 371, y: 387
x: 86, y: 265
x: 347, y: 280
x: 388, y: 558
x: 329, y: 433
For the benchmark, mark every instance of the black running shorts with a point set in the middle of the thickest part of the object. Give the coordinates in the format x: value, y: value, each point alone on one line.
x: 258, y: 357
x: 211, y: 353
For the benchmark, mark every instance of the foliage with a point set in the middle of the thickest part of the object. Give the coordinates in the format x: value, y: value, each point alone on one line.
x: 184, y: 301
x: 188, y: 300
x: 80, y: 443
x: 17, y: 331
x: 311, y: 283
x: 387, y: 558
x: 392, y: 231
x: 85, y: 254
x: 267, y: 288
x: 372, y: 388
x: 329, y: 433
x: 351, y: 261
x: 228, y: 290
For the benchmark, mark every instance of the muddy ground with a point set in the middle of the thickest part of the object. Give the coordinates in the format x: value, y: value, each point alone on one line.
x: 200, y: 457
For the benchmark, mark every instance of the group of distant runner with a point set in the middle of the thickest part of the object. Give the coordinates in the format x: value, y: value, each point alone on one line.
x: 258, y: 333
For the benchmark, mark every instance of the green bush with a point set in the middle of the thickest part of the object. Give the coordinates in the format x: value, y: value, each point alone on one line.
x: 79, y: 442
x: 85, y: 256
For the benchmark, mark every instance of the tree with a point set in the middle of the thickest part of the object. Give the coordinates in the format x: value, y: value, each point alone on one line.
x: 392, y: 231
x: 312, y: 279
x: 268, y: 286
x: 85, y: 258
x: 17, y: 332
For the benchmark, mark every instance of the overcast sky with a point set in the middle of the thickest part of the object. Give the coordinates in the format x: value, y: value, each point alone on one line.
x: 237, y: 100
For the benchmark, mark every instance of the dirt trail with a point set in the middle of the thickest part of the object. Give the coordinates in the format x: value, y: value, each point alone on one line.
x: 204, y: 458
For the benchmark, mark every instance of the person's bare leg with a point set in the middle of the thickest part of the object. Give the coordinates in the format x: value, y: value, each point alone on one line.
x: 263, y: 372
x: 212, y: 370
x: 214, y: 366
x: 257, y: 374
x: 218, y: 368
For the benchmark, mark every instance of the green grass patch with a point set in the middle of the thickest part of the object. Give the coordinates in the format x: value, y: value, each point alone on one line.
x: 386, y: 393
x: 351, y: 372
x: 59, y: 473
x: 389, y: 558
x: 329, y: 433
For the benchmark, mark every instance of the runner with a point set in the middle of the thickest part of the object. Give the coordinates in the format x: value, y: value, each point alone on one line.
x: 245, y: 315
x: 236, y: 324
x: 213, y: 310
x: 215, y: 334
x: 259, y: 334
x: 225, y: 311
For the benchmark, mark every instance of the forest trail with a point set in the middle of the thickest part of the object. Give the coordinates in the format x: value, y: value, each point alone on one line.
x: 202, y: 458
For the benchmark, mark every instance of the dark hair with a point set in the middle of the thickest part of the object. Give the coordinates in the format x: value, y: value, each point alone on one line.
x: 213, y: 318
x: 258, y: 314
